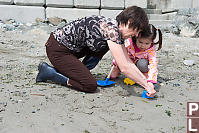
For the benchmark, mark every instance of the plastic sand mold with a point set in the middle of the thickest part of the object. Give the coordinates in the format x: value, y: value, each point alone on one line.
x: 129, y: 81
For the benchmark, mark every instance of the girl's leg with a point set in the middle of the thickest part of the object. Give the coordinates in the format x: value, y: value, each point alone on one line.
x: 142, y: 65
x: 146, y: 75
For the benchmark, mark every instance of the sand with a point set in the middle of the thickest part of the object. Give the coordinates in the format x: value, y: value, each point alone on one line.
x: 27, y: 107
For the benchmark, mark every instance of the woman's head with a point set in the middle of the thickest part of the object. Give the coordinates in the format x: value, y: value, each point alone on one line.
x: 147, y: 37
x: 132, y: 18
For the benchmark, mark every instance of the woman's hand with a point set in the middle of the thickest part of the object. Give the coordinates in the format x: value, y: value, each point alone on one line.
x: 128, y: 68
x: 150, y: 89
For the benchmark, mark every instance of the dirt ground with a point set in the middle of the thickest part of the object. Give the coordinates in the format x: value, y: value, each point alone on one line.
x: 27, y: 107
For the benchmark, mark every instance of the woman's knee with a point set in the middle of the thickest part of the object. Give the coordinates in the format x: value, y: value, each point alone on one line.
x: 90, y: 86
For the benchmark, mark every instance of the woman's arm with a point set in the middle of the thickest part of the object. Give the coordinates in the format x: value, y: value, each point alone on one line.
x: 128, y: 68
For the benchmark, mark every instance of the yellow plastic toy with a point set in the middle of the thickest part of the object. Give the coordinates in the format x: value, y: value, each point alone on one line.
x: 129, y: 81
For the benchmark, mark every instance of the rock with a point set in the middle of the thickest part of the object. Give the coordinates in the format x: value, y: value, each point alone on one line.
x: 28, y: 24
x: 189, y: 62
x: 62, y: 24
x: 176, y: 84
x: 179, y: 20
x: 188, y: 11
x: 197, y: 32
x: 170, y: 28
x: 175, y: 30
x: 1, y: 25
x: 194, y: 20
x: 39, y: 20
x: 33, y: 111
x: 197, y: 54
x: 186, y: 22
x: 2, y: 109
x: 187, y: 30
x: 16, y: 24
x: 10, y: 21
x: 9, y: 27
x: 55, y: 20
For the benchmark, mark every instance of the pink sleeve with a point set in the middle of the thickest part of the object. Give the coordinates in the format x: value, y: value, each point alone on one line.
x: 153, y: 64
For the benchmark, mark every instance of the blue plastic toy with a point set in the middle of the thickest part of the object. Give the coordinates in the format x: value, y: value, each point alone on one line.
x: 144, y: 95
x: 106, y: 82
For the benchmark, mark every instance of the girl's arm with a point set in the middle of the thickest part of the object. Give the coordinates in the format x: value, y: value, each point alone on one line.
x: 128, y: 68
x: 153, y: 64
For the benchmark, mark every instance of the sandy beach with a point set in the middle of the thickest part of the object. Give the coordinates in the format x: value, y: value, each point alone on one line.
x: 29, y: 107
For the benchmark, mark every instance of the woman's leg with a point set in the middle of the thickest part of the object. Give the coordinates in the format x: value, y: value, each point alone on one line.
x: 47, y: 73
x: 79, y: 76
x: 92, y: 58
x: 90, y: 61
x: 68, y: 65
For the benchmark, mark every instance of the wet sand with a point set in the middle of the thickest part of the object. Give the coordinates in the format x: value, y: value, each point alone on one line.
x: 27, y: 107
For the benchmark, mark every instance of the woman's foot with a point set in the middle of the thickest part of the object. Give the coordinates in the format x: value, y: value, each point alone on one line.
x: 47, y: 72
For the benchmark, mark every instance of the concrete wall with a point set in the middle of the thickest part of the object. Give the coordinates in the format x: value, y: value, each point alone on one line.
x: 28, y: 10
x: 140, y: 3
x: 174, y: 4
x: 21, y: 13
x: 70, y: 13
x: 59, y: 3
x: 29, y: 2
x: 195, y: 3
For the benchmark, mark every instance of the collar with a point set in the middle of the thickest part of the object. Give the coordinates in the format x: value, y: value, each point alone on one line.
x: 137, y: 49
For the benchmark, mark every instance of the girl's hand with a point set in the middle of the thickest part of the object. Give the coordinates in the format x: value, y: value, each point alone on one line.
x: 150, y: 90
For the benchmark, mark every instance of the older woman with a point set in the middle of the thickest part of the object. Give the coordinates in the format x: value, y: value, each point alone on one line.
x: 91, y: 37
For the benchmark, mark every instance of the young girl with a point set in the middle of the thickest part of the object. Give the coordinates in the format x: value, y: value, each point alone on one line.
x: 142, y: 52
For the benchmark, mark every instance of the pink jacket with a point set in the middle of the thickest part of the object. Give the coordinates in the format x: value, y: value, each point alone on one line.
x: 150, y: 54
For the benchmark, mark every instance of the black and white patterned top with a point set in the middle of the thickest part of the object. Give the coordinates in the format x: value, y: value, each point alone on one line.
x: 92, y: 32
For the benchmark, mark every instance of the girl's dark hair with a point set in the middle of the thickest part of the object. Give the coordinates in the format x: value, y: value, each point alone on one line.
x: 135, y: 15
x: 151, y: 32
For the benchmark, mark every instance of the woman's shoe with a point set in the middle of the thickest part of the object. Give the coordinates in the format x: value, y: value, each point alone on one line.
x: 47, y: 72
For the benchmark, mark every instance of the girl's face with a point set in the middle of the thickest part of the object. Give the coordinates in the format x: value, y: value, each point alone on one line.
x: 126, y: 32
x: 143, y: 43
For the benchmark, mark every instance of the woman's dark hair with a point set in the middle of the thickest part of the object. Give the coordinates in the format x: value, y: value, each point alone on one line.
x: 135, y: 15
x: 151, y: 32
